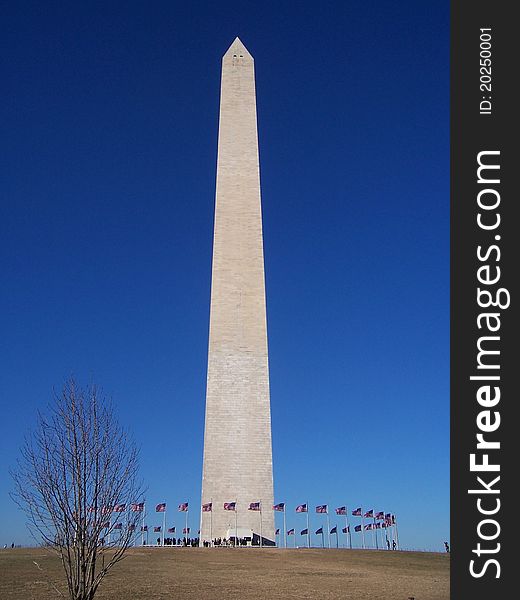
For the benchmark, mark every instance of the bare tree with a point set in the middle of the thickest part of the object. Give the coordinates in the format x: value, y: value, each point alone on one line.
x: 77, y: 470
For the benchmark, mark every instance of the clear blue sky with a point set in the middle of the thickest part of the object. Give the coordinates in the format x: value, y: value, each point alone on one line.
x: 109, y: 129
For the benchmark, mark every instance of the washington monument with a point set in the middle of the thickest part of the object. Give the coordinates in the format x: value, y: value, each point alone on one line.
x: 237, y: 438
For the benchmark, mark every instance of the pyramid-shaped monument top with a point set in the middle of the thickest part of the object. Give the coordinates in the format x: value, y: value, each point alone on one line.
x: 237, y: 50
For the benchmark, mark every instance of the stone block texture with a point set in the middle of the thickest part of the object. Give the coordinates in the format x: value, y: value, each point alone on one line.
x: 237, y: 438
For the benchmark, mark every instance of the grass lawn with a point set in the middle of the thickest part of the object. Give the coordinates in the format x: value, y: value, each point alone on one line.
x: 247, y: 573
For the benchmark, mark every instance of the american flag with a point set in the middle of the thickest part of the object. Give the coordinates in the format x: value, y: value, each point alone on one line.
x: 106, y: 510
x: 368, y: 527
x: 171, y: 530
x: 230, y: 505
x: 320, y: 530
x: 369, y: 514
x: 290, y: 532
x: 322, y: 509
x: 377, y: 525
x: 357, y: 528
x: 334, y: 530
x: 388, y: 516
x: 118, y: 526
x: 380, y: 515
x: 384, y: 525
x: 157, y: 529
x: 131, y: 527
x: 393, y: 519
x: 161, y: 507
x: 279, y: 507
x: 207, y: 507
x: 105, y: 525
x: 144, y: 528
x: 301, y: 508
x: 357, y: 513
x: 254, y: 506
x: 342, y: 510
x: 120, y: 508
x: 304, y: 532
x: 346, y: 529
x: 137, y: 507
x: 277, y: 532
x: 183, y: 507
x: 185, y: 530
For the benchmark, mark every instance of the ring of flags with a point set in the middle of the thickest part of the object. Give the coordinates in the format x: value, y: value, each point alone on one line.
x: 379, y: 519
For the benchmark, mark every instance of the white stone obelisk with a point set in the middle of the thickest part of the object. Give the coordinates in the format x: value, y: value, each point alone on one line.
x: 237, y: 438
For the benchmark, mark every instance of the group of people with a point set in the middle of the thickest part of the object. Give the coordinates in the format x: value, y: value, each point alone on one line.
x: 195, y: 542
x: 225, y: 542
x: 179, y: 542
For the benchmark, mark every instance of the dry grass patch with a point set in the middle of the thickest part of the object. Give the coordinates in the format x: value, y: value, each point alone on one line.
x: 245, y: 574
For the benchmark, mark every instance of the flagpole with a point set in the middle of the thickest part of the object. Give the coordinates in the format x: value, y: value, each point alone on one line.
x: 211, y: 524
x: 186, y: 527
x: 261, y: 530
x: 142, y: 525
x: 348, y: 527
x: 388, y: 534
x: 284, y: 529
x: 363, y: 527
x: 236, y: 524
x: 163, y: 526
x: 394, y: 519
x: 308, y: 530
x: 328, y: 526
x: 337, y: 540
